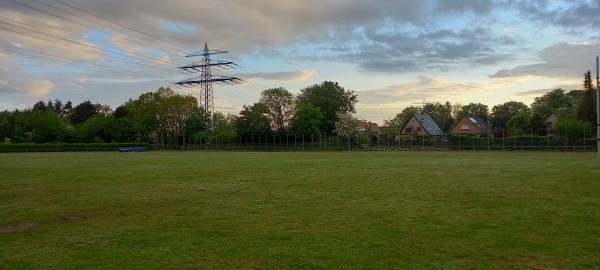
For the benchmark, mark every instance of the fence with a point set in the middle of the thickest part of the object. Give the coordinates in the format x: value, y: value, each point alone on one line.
x: 384, y: 143
x: 335, y: 143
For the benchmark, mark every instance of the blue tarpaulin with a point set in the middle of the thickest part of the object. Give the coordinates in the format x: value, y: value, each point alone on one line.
x: 132, y: 149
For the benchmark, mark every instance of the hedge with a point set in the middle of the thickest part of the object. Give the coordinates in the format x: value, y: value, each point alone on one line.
x: 66, y: 147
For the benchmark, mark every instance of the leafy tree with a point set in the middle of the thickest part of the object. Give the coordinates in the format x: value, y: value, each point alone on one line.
x: 35, y: 126
x: 225, y: 125
x: 538, y: 124
x: 280, y: 107
x: 41, y: 106
x: 6, y: 125
x: 504, y: 112
x: 576, y: 95
x: 397, y: 123
x: 306, y: 121
x: 586, y: 111
x: 346, y: 126
x: 331, y: 99
x: 66, y: 109
x: 95, y: 129
x: 253, y: 121
x: 519, y: 123
x: 82, y: 112
x: 145, y: 108
x: 474, y: 109
x: 554, y: 101
x: 123, y: 130
x: 174, y: 112
x: 440, y: 113
x: 121, y: 112
x: 197, y: 122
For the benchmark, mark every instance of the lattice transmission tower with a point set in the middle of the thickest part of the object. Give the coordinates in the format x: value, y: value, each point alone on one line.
x: 206, y: 78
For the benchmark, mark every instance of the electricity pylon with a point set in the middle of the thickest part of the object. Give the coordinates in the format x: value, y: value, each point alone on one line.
x: 206, y: 78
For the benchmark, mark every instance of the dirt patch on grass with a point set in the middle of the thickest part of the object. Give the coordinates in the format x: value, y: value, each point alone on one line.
x: 17, y: 227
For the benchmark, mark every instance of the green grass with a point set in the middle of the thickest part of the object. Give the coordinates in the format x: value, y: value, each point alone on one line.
x: 416, y: 210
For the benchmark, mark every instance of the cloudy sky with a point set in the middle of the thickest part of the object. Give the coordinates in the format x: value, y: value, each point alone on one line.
x: 393, y: 53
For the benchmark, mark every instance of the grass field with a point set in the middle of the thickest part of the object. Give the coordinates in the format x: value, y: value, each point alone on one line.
x: 185, y: 210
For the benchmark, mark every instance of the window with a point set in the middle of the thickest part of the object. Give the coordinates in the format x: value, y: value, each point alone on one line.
x: 464, y: 127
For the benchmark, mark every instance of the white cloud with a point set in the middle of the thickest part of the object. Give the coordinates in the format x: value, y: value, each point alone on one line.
x: 298, y: 75
x: 39, y: 88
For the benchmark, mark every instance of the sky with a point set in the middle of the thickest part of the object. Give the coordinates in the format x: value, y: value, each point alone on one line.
x: 392, y: 53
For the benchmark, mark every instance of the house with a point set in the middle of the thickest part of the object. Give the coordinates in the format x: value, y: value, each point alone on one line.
x: 422, y: 125
x: 470, y: 125
x: 364, y: 126
x: 551, y: 122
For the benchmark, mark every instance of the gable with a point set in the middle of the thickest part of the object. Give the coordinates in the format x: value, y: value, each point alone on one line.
x: 469, y: 125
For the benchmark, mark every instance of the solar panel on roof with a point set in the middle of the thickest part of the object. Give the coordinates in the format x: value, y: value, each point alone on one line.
x: 473, y: 120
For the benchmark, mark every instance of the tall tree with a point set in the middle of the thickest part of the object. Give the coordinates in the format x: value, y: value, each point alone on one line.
x: 440, y: 113
x: 39, y: 127
x: 586, y: 111
x: 121, y: 112
x: 331, y: 99
x: 174, y: 112
x: 253, y: 121
x: 279, y: 103
x: 307, y: 120
x: 82, y: 112
x: 555, y: 101
x: 123, y: 130
x: 97, y: 128
x: 576, y: 95
x: 197, y: 123
x: 474, y: 109
x: 144, y: 110
x: 6, y: 125
x: 396, y: 124
x: 519, y: 123
x: 224, y: 125
x: 41, y: 106
x: 503, y: 112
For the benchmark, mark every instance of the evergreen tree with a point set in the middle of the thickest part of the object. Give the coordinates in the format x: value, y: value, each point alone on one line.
x: 586, y: 110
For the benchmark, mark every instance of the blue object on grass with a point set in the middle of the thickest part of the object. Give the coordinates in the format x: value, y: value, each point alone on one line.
x: 132, y: 149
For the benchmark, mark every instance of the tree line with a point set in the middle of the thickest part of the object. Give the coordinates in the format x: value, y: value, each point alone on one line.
x: 576, y: 111
x: 164, y: 116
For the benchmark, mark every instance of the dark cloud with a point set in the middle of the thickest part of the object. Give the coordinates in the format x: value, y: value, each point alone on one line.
x: 243, y: 25
x: 562, y: 60
x: 570, y: 14
x: 406, y: 51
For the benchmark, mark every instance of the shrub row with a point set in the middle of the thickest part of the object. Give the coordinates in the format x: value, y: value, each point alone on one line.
x: 64, y: 147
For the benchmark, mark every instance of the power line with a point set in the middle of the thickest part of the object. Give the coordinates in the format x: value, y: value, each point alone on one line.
x: 94, y: 49
x: 45, y: 56
x: 146, y: 42
x: 152, y: 38
x: 78, y: 40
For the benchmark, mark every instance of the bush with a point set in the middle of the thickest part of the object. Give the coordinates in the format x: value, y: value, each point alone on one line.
x: 573, y: 128
x: 63, y: 147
